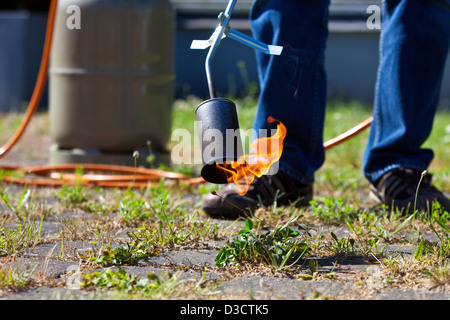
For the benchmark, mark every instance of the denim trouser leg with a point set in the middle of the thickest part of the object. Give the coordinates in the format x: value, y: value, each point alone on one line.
x: 293, y: 85
x: 413, y: 48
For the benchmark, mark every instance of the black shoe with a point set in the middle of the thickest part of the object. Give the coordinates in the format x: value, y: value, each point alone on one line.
x: 228, y: 203
x: 397, y: 189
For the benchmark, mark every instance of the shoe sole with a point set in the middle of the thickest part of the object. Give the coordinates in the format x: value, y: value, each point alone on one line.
x: 219, y: 212
x: 401, y: 205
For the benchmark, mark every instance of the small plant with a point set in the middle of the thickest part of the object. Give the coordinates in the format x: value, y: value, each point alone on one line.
x: 441, y: 249
x: 17, y: 209
x: 417, y: 189
x: 277, y: 248
x: 171, y: 224
x: 109, y: 279
x: 135, y: 157
x: 13, y: 276
x: 72, y: 195
x: 440, y: 275
x: 119, y: 284
x: 13, y: 241
x: 343, y: 246
x: 333, y: 211
x: 134, y: 210
x: 129, y: 254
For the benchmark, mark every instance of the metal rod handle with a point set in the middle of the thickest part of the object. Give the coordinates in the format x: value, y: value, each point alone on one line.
x: 224, y: 30
x: 211, y: 53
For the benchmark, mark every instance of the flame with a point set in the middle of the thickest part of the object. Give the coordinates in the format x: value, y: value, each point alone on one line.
x: 264, y: 152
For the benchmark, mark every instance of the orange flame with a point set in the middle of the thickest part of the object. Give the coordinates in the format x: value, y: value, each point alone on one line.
x: 264, y: 152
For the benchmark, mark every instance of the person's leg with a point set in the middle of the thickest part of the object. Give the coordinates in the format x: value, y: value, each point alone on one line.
x: 414, y: 44
x: 293, y: 85
x: 293, y: 91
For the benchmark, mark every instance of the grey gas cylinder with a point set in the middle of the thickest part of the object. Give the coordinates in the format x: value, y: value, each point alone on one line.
x: 111, y: 84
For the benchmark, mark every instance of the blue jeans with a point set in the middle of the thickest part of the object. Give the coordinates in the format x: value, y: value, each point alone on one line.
x: 414, y: 43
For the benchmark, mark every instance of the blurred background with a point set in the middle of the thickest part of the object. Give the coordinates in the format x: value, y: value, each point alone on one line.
x: 351, y: 56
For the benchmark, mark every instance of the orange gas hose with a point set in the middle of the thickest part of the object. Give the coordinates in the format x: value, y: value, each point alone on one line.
x: 40, y: 83
x: 348, y: 134
x: 118, y: 176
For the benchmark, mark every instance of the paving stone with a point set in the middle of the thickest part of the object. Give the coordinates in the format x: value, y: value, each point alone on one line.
x: 47, y: 267
x: 185, y: 257
x: 282, y: 288
x: 142, y: 272
x: 50, y: 293
x: 58, y: 249
x: 412, y: 294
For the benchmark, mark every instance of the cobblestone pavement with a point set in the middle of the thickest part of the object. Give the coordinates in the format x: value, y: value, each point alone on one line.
x: 350, y: 278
